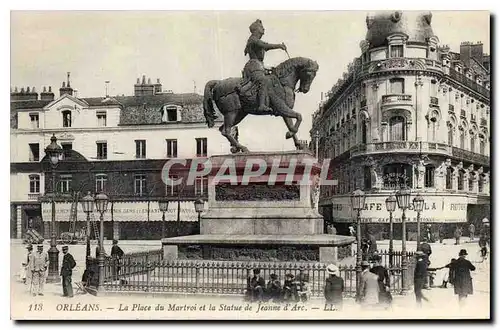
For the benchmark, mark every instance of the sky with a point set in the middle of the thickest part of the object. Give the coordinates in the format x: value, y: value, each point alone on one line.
x: 187, y: 49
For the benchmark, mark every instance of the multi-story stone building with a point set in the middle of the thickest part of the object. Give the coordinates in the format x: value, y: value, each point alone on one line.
x: 117, y: 145
x: 409, y: 112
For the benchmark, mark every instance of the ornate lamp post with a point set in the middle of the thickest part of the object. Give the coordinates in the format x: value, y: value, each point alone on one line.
x: 403, y: 199
x: 418, y: 205
x: 53, y: 152
x: 163, y: 206
x: 199, y: 205
x: 390, y: 204
x: 88, y: 207
x: 101, y: 204
x: 358, y: 203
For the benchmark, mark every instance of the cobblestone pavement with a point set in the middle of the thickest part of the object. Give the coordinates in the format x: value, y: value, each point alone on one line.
x: 443, y: 303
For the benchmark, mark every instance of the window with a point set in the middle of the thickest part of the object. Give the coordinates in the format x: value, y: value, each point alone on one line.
x: 201, y: 186
x: 65, y: 183
x: 66, y: 118
x: 170, y: 114
x: 34, y: 184
x: 363, y: 132
x: 140, y: 148
x: 429, y: 177
x: 172, y: 189
x: 473, y: 143
x: 34, y: 152
x: 396, y: 176
x: 101, y: 118
x: 450, y: 135
x: 102, y: 150
x: 397, y: 86
x: 482, y: 145
x: 433, y: 128
x: 397, y: 128
x: 471, y: 183
x: 397, y: 51
x: 434, y: 88
x: 140, y: 184
x: 171, y: 148
x: 449, y: 178
x: 462, y: 138
x: 367, y: 177
x: 35, y: 120
x: 460, y: 180
x: 100, y: 182
x: 201, y: 147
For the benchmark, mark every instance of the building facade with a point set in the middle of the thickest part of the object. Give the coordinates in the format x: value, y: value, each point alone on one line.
x: 409, y: 112
x: 116, y: 145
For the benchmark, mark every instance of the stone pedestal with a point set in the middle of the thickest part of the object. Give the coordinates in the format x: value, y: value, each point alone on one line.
x: 249, y: 217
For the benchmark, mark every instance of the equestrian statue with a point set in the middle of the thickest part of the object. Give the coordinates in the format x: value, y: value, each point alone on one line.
x: 260, y: 91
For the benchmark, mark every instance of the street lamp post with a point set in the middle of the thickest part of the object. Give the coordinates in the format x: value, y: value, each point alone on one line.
x: 101, y: 204
x: 88, y: 207
x: 163, y: 206
x: 418, y: 205
x: 403, y: 199
x: 54, y: 152
x: 358, y: 203
x: 199, y: 205
x: 390, y: 204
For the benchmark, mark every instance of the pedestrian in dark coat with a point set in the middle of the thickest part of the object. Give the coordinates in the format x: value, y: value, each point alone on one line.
x: 116, y: 255
x: 255, y: 286
x: 458, y: 234
x: 384, y: 282
x: 68, y: 264
x: 273, y: 289
x: 289, y: 288
x: 463, y: 280
x: 334, y: 287
x: 441, y: 233
x: 419, y: 277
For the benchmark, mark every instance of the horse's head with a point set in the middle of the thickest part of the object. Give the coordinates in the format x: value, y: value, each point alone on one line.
x: 307, y: 74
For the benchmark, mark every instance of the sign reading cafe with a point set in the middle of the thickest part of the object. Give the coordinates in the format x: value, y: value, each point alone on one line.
x: 122, y: 212
x: 436, y: 209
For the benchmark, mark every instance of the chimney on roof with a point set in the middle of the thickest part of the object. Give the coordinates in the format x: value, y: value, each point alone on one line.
x: 157, y: 86
x: 149, y: 81
x: 47, y: 96
x: 144, y: 79
x: 28, y: 95
x: 145, y: 88
x: 470, y: 51
x: 66, y: 88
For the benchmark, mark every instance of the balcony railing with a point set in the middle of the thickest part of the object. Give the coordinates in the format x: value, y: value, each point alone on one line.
x: 434, y: 100
x: 451, y: 108
x: 469, y: 83
x: 396, y: 99
x: 462, y: 114
x: 472, y: 118
x: 403, y: 146
x: 33, y: 196
x: 470, y: 156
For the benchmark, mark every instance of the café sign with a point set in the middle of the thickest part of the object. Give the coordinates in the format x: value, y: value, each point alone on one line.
x: 124, y: 211
x: 436, y: 209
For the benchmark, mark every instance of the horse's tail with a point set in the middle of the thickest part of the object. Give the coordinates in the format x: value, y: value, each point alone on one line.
x: 208, y: 105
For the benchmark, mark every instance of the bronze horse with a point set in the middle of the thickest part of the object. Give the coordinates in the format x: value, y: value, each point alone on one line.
x: 236, y: 97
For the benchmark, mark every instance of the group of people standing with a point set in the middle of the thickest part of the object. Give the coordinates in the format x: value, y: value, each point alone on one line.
x: 34, y: 270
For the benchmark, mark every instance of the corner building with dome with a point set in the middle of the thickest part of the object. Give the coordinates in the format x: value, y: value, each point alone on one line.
x: 408, y: 113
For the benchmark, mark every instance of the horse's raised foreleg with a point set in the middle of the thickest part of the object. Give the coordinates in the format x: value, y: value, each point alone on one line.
x: 289, y: 125
x: 285, y: 111
x: 231, y: 119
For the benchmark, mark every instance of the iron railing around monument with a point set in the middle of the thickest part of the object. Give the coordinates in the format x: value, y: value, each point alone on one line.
x: 229, y: 277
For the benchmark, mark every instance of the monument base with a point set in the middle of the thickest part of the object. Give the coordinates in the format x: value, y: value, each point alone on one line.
x: 319, y: 248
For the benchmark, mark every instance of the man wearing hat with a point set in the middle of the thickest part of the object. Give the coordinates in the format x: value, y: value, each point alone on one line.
x: 289, y: 288
x: 334, y: 287
x: 255, y: 286
x: 463, y: 281
x: 369, y: 288
x: 38, y: 265
x: 420, y: 276
x: 302, y: 282
x: 384, y: 282
x: 116, y: 254
x: 273, y: 289
x: 67, y: 266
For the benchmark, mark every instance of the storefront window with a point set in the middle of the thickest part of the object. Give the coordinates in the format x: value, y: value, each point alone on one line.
x: 397, y: 176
